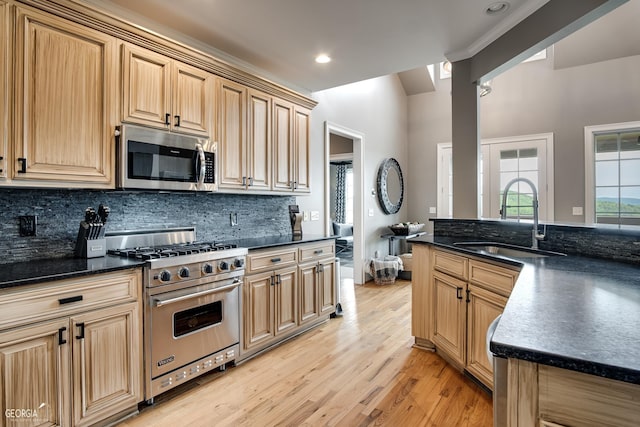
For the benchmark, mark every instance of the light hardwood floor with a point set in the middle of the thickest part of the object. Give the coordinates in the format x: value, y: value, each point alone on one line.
x: 356, y: 370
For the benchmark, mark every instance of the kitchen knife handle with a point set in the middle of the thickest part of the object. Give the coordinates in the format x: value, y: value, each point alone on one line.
x: 81, y: 326
x: 167, y: 119
x: 69, y: 300
x: 23, y: 165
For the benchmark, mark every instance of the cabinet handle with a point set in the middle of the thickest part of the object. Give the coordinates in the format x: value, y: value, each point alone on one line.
x: 273, y: 280
x: 61, y: 339
x: 318, y: 251
x: 244, y: 181
x: 468, y: 292
x: 320, y: 268
x: 81, y: 336
x: 278, y: 280
x: 250, y: 181
x: 69, y: 300
x: 1, y: 158
x: 295, y: 185
x: 23, y: 165
x: 276, y: 259
x: 167, y: 118
x: 459, y: 293
x: 177, y: 121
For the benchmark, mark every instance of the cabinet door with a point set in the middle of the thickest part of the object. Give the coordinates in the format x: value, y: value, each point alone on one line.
x: 257, y: 302
x: 327, y: 286
x: 34, y: 374
x: 146, y: 88
x: 421, y: 295
x: 65, y: 106
x: 259, y: 141
x: 309, y: 292
x: 301, y: 160
x: 107, y: 362
x: 232, y: 102
x: 484, y: 306
x: 282, y: 150
x: 450, y: 316
x: 4, y: 87
x: 192, y: 100
x: 286, y: 299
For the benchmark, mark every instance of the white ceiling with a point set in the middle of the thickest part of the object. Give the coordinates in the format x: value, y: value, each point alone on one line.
x: 365, y: 38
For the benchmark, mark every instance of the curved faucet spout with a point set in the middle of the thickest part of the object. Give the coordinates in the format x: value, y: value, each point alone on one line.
x: 535, y: 236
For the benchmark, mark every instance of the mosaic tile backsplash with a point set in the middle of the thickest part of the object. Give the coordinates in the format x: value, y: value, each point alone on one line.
x: 59, y: 213
x: 599, y: 242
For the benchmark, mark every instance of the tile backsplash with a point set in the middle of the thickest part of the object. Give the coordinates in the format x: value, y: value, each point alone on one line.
x: 59, y: 214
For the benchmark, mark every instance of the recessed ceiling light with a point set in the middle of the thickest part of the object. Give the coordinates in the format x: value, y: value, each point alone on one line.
x: 497, y: 7
x: 323, y: 59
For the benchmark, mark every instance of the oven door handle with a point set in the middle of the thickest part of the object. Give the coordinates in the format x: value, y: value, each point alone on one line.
x: 203, y: 165
x: 161, y: 302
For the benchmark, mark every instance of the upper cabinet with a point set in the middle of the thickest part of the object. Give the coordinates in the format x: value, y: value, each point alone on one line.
x: 291, y: 147
x: 244, y: 137
x: 167, y: 94
x: 4, y: 86
x: 64, y: 106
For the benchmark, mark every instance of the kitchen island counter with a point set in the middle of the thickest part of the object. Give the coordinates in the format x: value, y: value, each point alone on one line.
x: 38, y: 271
x: 572, y: 312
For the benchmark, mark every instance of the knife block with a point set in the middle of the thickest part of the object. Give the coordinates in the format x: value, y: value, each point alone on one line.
x: 88, y: 247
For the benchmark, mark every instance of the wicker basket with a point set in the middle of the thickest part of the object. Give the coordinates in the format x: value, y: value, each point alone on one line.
x: 380, y: 280
x: 405, y: 230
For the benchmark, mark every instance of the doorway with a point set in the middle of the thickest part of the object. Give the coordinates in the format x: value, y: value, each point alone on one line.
x: 346, y: 154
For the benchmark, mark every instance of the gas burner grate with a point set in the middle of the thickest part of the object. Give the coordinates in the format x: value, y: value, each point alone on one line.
x: 149, y: 253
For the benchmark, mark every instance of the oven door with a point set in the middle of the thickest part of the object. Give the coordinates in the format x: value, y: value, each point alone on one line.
x: 191, y: 323
x: 159, y: 160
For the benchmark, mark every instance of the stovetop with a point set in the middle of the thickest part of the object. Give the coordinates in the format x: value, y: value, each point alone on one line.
x: 147, y: 253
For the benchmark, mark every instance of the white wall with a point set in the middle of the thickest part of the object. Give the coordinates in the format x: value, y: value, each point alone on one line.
x: 376, y: 108
x: 531, y: 98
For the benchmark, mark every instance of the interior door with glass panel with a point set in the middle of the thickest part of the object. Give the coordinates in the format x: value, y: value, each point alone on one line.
x: 506, y: 161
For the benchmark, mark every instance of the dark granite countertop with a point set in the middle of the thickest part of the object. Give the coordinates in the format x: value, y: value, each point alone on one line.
x: 27, y: 273
x: 275, y: 241
x: 572, y: 312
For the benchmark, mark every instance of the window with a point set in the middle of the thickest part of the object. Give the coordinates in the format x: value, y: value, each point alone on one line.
x: 612, y: 170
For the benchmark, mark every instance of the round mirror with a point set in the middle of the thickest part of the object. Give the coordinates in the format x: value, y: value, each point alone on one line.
x: 390, y: 186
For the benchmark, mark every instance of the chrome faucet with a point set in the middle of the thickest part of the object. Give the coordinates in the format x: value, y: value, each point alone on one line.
x: 535, y: 236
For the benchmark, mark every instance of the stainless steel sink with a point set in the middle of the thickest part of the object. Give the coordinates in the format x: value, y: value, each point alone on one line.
x: 507, y: 250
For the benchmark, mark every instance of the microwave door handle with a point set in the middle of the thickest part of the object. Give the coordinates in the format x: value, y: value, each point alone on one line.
x: 203, y: 165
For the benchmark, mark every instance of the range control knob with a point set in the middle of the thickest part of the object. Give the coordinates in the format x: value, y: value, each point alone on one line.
x: 223, y: 266
x: 207, y: 268
x: 183, y: 272
x: 238, y: 263
x: 164, y: 276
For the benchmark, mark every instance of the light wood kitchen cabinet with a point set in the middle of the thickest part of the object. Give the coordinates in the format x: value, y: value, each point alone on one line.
x: 167, y: 94
x: 286, y: 291
x: 258, y: 141
x: 291, y: 147
x: 546, y: 396
x: 5, y: 131
x: 81, y: 367
x: 455, y: 298
x: 35, y: 374
x: 65, y: 103
x: 450, y: 319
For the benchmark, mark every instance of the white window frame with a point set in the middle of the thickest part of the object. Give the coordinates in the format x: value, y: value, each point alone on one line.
x: 590, y: 163
x: 485, y: 144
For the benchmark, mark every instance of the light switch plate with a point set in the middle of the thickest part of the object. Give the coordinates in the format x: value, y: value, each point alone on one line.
x: 305, y: 215
x: 577, y: 210
x: 315, y: 215
x: 432, y: 210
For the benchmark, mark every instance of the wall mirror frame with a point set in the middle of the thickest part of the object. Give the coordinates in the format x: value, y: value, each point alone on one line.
x: 390, y: 185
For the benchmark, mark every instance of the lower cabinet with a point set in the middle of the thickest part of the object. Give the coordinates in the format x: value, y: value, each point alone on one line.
x: 286, y: 291
x: 456, y: 299
x: 80, y: 369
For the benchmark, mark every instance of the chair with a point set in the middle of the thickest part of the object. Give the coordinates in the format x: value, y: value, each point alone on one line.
x: 344, y: 241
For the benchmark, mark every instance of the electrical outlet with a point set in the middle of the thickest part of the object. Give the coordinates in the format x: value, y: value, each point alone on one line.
x: 577, y: 210
x: 315, y: 215
x: 432, y: 209
x: 305, y: 215
x: 233, y: 218
x: 28, y: 225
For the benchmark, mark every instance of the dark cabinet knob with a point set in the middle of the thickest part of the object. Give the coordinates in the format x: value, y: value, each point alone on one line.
x: 183, y: 272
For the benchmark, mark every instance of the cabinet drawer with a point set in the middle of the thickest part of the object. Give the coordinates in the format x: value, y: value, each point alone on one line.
x: 492, y: 277
x: 317, y: 251
x: 451, y: 264
x: 268, y: 260
x: 49, y: 300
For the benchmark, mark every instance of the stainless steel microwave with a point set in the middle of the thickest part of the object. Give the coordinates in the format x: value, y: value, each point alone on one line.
x: 155, y: 159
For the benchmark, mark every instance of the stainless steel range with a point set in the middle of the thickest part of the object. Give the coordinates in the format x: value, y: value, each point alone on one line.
x: 191, y: 303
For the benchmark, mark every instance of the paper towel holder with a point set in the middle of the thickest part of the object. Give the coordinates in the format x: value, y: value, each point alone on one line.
x: 296, y: 221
